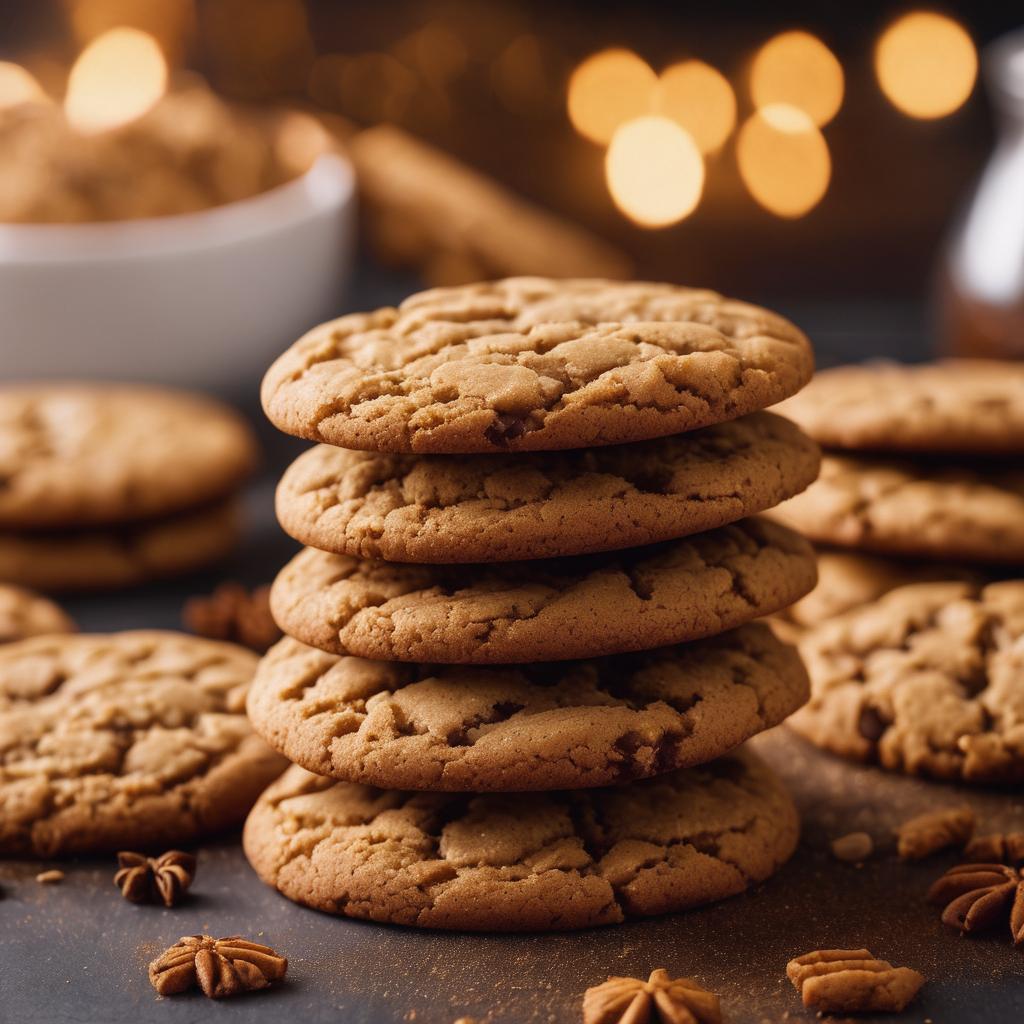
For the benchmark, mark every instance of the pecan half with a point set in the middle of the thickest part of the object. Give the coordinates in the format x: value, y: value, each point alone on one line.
x: 659, y: 999
x: 220, y: 967
x: 852, y: 981
x: 233, y: 613
x: 928, y: 833
x: 996, y: 848
x: 979, y: 897
x: 143, y: 879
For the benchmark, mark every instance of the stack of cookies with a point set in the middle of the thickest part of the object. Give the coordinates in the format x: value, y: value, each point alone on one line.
x: 914, y: 661
x: 520, y: 651
x: 111, y: 485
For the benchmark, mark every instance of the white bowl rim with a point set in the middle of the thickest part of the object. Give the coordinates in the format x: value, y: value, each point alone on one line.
x: 326, y: 187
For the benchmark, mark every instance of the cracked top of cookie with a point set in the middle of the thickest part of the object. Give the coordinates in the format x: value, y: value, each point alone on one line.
x: 957, y: 405
x: 531, y: 364
x: 76, y: 455
x: 554, y: 609
x: 489, y: 508
x: 132, y: 740
x: 927, y: 680
x: 561, y: 725
x: 516, y: 862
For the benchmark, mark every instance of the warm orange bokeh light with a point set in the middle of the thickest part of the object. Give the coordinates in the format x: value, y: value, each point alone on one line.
x: 926, y: 64
x: 116, y: 79
x: 783, y: 160
x: 607, y: 90
x: 654, y: 171
x: 798, y: 69
x: 18, y: 86
x: 700, y: 99
x: 170, y: 22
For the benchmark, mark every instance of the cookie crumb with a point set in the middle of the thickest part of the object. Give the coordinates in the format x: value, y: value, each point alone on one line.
x: 852, y: 981
x: 52, y: 877
x: 853, y: 848
x: 921, y: 836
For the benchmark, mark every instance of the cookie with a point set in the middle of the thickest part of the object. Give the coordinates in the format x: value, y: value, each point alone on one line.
x: 926, y: 680
x: 104, y: 559
x: 553, y: 726
x: 924, y: 510
x: 532, y: 364
x: 24, y: 614
x: 437, y: 508
x: 958, y: 405
x: 523, y: 861
x: 78, y: 455
x: 552, y: 610
x: 128, y: 741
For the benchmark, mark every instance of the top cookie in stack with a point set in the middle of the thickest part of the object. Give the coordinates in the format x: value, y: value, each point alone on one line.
x: 530, y: 567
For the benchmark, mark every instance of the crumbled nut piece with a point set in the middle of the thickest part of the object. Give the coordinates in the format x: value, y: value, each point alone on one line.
x: 51, y: 877
x: 659, y: 999
x: 980, y: 897
x: 220, y: 967
x: 996, y: 848
x: 852, y: 981
x: 143, y: 879
x: 854, y: 848
x: 928, y: 833
x: 233, y: 613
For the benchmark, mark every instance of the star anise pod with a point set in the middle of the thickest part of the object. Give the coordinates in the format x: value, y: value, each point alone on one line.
x: 220, y: 967
x: 979, y: 897
x: 143, y: 879
x: 658, y: 999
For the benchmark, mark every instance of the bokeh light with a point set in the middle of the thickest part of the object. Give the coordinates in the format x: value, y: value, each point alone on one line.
x: 116, y: 79
x: 784, y: 160
x: 798, y: 69
x: 18, y: 86
x: 699, y: 98
x: 926, y: 64
x: 607, y: 90
x: 654, y: 171
x: 170, y: 22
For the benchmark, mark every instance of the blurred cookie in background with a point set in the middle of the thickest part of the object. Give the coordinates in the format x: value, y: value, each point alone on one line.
x: 24, y: 614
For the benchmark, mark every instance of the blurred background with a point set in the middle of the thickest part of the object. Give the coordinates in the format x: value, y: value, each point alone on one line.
x: 815, y: 157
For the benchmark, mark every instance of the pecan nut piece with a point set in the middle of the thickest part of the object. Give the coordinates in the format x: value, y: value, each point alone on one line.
x: 659, y: 999
x: 928, y: 833
x: 235, y: 614
x: 220, y: 967
x: 996, y: 848
x: 164, y: 879
x: 979, y: 897
x: 852, y: 981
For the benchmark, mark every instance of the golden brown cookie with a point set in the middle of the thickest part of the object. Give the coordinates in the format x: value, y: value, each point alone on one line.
x: 24, y: 614
x: 919, y: 509
x: 551, y: 726
x: 958, y: 405
x: 121, y: 556
x: 523, y: 861
x: 926, y: 680
x: 533, y: 364
x: 550, y: 610
x: 489, y: 508
x: 79, y: 455
x: 132, y: 740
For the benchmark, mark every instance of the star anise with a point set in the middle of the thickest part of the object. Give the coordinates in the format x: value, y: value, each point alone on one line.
x: 143, y: 879
x: 979, y: 897
x: 220, y: 967
x: 659, y: 999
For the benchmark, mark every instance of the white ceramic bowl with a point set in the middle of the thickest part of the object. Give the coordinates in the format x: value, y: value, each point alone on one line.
x: 198, y: 300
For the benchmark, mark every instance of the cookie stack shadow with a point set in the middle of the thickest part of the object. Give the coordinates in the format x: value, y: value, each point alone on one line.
x: 517, y: 672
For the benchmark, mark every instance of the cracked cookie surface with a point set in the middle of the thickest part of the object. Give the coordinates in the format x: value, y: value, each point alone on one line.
x: 437, y: 508
x: 78, y: 455
x: 556, y: 726
x: 957, y: 405
x: 533, y: 364
x: 24, y: 614
x: 523, y: 862
x: 927, y: 681
x: 103, y: 559
x: 132, y: 740
x: 549, y: 610
x: 916, y: 509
